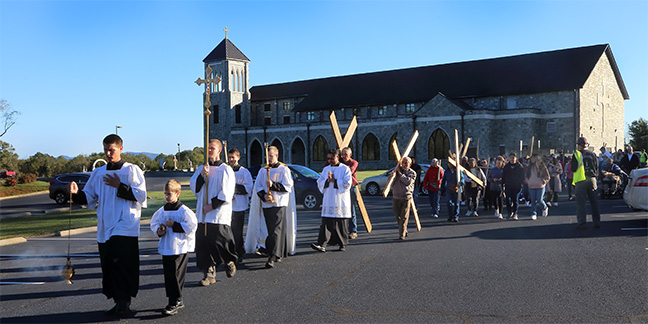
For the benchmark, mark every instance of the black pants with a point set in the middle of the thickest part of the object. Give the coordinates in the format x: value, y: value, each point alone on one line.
x: 175, y: 271
x: 276, y: 240
x: 216, y: 247
x: 333, y: 231
x: 238, y: 221
x: 119, y: 258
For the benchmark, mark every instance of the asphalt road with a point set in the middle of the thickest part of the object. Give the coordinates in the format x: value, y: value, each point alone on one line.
x: 41, y: 203
x: 480, y: 270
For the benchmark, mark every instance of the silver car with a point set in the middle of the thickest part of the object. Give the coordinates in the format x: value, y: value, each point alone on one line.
x: 374, y: 186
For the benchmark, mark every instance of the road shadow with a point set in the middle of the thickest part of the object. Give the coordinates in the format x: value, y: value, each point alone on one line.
x: 82, y: 317
x: 618, y: 228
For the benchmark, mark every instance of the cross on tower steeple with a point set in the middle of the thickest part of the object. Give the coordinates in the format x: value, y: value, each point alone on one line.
x: 225, y: 30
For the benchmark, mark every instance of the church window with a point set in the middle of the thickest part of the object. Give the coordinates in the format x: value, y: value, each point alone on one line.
x: 392, y: 155
x: 370, y: 148
x: 382, y: 110
x: 438, y: 145
x: 267, y: 121
x: 409, y: 108
x: 286, y: 105
x: 311, y: 115
x: 238, y: 114
x: 511, y: 103
x: 215, y: 114
x: 267, y: 107
x: 320, y: 147
x: 286, y: 119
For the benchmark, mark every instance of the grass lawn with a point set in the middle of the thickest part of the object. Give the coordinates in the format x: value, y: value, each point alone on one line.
x: 21, y: 189
x: 37, y: 225
x: 361, y: 175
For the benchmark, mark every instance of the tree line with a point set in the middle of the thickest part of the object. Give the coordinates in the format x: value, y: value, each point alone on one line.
x: 45, y: 165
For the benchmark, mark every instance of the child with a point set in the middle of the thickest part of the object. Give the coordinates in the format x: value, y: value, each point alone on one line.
x: 175, y: 224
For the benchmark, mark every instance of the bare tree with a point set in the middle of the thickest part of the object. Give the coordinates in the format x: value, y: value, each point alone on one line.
x: 9, y: 116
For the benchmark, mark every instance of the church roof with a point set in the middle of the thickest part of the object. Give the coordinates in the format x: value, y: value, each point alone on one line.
x: 559, y: 70
x: 225, y: 50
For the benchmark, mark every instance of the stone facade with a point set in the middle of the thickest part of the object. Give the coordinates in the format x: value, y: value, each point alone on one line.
x: 496, y: 124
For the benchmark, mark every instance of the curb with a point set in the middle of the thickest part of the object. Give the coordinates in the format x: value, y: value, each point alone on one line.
x: 83, y: 230
x: 25, y: 195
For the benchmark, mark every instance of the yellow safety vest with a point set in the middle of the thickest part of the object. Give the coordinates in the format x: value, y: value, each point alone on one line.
x: 579, y: 175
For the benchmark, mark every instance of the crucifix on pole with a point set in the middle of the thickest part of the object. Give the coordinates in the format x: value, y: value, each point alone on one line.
x: 342, y: 143
x: 208, y: 81
x: 393, y: 174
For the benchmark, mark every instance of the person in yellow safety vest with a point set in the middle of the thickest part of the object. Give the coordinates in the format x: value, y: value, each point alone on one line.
x: 585, y: 167
x: 643, y: 159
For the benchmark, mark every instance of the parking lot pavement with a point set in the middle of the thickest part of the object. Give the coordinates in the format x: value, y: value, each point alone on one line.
x: 478, y: 270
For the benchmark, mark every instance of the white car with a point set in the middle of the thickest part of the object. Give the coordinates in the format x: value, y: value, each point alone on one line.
x: 636, y: 192
x: 374, y: 186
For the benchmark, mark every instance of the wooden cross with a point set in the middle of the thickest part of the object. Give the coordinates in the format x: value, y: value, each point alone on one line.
x: 393, y: 174
x: 455, y: 162
x: 208, y: 81
x: 342, y: 143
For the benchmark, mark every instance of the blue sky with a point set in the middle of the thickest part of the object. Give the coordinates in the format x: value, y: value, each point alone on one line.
x: 76, y: 69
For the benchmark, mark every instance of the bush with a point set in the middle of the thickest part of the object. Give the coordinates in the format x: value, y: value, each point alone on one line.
x: 11, y: 182
x: 26, y: 178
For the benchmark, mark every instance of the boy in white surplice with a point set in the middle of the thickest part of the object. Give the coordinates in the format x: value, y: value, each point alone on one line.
x: 334, y: 183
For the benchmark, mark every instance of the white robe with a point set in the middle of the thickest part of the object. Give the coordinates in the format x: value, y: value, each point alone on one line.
x: 220, y: 184
x: 116, y: 216
x: 173, y: 243
x: 257, y: 230
x: 242, y: 202
x: 336, y: 203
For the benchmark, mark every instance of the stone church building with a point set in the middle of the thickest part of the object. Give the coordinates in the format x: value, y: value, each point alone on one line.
x: 499, y: 103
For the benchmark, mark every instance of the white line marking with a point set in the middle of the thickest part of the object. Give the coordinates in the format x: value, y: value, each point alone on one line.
x: 634, y: 229
x: 21, y: 283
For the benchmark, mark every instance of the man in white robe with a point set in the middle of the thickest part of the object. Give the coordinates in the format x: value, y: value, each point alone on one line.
x: 118, y: 192
x: 334, y: 182
x: 214, y: 238
x: 275, y: 203
x: 241, y: 199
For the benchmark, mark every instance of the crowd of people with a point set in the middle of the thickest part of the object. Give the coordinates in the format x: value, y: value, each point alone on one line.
x: 225, y: 191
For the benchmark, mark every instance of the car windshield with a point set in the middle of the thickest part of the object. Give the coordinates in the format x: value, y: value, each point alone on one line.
x: 306, y: 172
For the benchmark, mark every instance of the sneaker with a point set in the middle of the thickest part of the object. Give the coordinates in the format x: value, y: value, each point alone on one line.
x: 353, y: 236
x: 545, y: 212
x: 207, y: 281
x: 173, y: 309
x: 500, y: 216
x: 555, y: 204
x: 318, y: 247
x: 468, y: 213
x: 534, y: 217
x: 342, y: 249
x: 515, y: 216
x: 435, y: 216
x: 269, y: 264
x: 456, y: 220
x: 475, y: 214
x: 230, y: 269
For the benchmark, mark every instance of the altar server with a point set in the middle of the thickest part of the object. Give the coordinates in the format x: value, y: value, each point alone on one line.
x: 241, y: 200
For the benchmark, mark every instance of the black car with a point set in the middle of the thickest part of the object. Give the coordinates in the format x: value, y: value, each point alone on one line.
x: 58, y: 189
x: 305, y: 185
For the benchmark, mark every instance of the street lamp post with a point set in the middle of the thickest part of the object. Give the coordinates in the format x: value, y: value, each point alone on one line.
x: 117, y: 127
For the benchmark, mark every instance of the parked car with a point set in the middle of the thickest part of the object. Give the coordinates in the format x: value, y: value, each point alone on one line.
x: 374, y: 186
x: 636, y: 192
x: 58, y: 189
x: 306, y: 191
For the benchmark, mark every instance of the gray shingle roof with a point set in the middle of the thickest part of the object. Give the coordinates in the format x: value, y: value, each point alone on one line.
x: 559, y: 70
x: 225, y: 50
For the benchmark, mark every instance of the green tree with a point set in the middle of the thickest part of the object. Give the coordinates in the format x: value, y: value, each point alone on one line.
x: 638, y: 131
x: 198, y: 156
x: 40, y: 164
x: 8, y: 159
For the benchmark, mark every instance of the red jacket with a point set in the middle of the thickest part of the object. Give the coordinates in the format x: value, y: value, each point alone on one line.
x: 432, y: 179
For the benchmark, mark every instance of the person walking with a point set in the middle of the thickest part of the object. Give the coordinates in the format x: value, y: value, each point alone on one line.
x: 432, y: 183
x: 536, y: 177
x: 585, y: 168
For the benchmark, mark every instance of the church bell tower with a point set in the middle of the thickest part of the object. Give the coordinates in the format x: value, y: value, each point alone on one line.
x: 230, y: 99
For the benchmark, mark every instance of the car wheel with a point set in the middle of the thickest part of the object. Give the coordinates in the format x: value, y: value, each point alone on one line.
x: 311, y: 201
x: 373, y: 189
x: 60, y: 198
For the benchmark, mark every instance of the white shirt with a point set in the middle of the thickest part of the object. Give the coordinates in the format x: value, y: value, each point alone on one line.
x: 336, y: 202
x: 116, y: 216
x: 220, y: 184
x: 173, y: 243
x: 244, y: 178
x: 280, y: 175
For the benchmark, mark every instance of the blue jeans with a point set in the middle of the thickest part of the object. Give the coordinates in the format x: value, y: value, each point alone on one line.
x: 434, y: 201
x: 353, y: 221
x: 536, y: 197
x: 453, y: 205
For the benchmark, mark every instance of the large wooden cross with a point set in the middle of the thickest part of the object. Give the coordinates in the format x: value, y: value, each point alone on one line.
x: 453, y: 159
x: 342, y: 143
x: 393, y: 174
x: 208, y: 81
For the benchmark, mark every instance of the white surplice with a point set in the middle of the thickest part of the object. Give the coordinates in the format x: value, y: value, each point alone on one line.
x: 336, y: 202
x: 173, y: 243
x: 220, y: 184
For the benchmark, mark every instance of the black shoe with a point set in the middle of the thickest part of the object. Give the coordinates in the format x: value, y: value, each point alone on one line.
x: 173, y: 309
x: 318, y: 247
x: 269, y: 264
x: 123, y: 310
x: 112, y: 311
x: 581, y: 226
